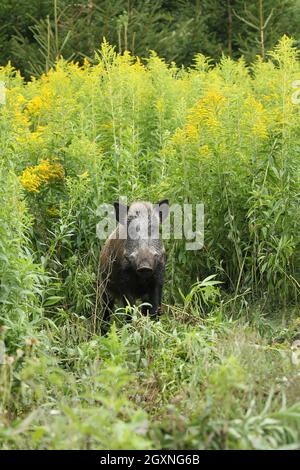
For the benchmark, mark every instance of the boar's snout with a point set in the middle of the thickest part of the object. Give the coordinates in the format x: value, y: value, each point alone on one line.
x: 145, y: 270
x: 143, y: 263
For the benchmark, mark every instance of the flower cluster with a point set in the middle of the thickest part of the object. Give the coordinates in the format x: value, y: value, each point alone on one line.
x: 34, y: 106
x: 40, y: 102
x: 204, y: 114
x: 45, y: 172
x: 53, y: 211
x: 207, y: 109
x: 256, y: 116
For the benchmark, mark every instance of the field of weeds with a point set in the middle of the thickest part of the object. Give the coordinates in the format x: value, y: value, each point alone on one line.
x: 220, y: 368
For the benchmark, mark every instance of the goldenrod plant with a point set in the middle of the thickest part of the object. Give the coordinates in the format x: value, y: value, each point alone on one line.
x: 218, y: 369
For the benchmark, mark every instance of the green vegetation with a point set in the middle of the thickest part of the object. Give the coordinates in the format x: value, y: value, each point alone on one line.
x: 220, y: 368
x: 34, y: 34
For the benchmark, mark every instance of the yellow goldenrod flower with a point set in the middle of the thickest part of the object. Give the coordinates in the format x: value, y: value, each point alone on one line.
x: 30, y: 180
x: 50, y: 171
x: 53, y: 211
x: 256, y: 117
x: 205, y: 149
x: 191, y: 131
x: 21, y: 119
x: 86, y: 63
x: 20, y: 99
x: 160, y: 105
x: 207, y: 109
x: 45, y: 172
x: 178, y: 137
x: 34, y: 106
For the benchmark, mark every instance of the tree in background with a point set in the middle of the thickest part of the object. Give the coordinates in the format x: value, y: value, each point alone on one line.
x: 259, y: 24
x: 33, y: 34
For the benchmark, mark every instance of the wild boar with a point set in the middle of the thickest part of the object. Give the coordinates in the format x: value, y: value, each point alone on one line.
x: 132, y: 260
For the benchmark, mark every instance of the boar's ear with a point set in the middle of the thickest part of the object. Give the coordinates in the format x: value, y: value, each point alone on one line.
x: 164, y: 209
x: 121, y: 212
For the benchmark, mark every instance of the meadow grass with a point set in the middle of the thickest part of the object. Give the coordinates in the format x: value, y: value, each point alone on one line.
x: 220, y: 368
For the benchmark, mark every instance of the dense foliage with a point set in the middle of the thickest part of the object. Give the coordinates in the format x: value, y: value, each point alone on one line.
x: 215, y: 371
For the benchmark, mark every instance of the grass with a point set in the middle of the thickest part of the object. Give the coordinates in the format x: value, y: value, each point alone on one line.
x: 220, y: 368
x: 183, y: 382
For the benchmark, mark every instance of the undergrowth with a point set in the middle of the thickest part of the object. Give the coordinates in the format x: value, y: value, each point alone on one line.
x: 220, y: 368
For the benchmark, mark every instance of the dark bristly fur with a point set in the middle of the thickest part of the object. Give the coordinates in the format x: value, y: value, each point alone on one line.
x: 133, y: 268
